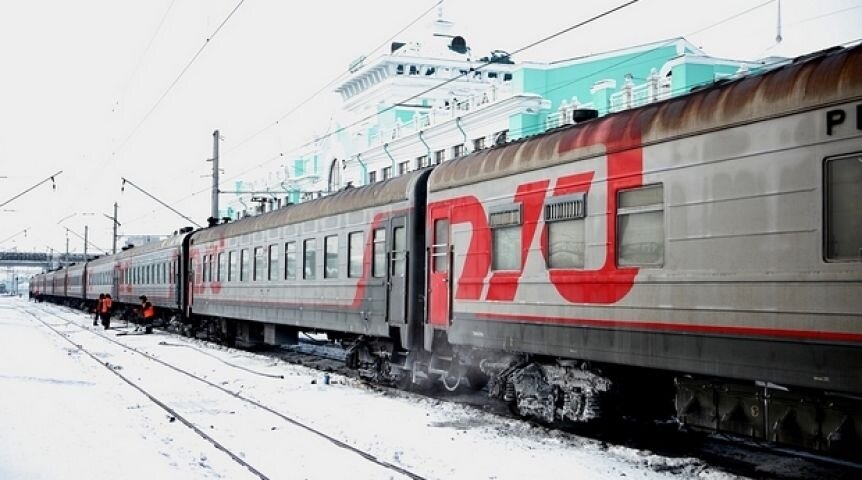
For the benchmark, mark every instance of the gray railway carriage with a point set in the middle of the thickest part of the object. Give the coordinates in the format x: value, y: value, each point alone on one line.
x: 55, y: 285
x: 350, y: 264
x: 717, y: 236
x: 155, y: 270
x: 101, y: 279
x: 75, y: 284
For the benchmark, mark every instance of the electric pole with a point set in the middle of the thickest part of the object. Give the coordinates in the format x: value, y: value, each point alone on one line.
x: 66, y: 260
x: 214, y: 213
x: 86, y: 233
x: 115, y: 228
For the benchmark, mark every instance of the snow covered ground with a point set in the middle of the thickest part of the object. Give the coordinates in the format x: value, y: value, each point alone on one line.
x: 65, y: 415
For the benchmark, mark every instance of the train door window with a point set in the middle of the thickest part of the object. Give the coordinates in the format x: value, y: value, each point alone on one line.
x: 272, y: 274
x: 290, y: 261
x: 564, y: 218
x: 221, y: 265
x: 640, y: 226
x: 231, y: 266
x: 506, y: 238
x: 440, y: 248
x: 843, y: 191
x: 149, y: 275
x: 378, y: 269
x: 330, y: 256
x: 244, y: 265
x: 258, y: 263
x: 309, y: 259
x: 355, y: 243
x: 204, y: 268
x: 399, y: 250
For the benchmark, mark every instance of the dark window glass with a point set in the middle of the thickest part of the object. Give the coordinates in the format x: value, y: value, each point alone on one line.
x: 355, y: 244
x: 290, y: 261
x: 330, y: 257
x: 309, y: 265
x: 378, y: 269
x: 844, y: 208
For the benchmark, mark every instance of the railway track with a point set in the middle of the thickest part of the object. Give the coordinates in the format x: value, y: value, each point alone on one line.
x: 732, y: 454
x: 175, y: 412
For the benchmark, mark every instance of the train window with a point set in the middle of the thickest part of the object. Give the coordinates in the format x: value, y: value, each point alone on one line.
x: 149, y: 275
x: 399, y: 251
x: 640, y: 226
x: 440, y: 248
x: 244, y: 265
x: 204, y: 268
x: 506, y: 239
x: 221, y: 267
x: 309, y: 265
x: 378, y: 269
x: 330, y: 257
x: 355, y: 243
x: 272, y: 274
x: 290, y: 261
x: 231, y: 266
x: 565, y: 221
x: 258, y: 263
x: 843, y: 190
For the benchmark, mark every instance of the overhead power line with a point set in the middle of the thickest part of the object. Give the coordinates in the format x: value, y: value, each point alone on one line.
x: 295, y: 108
x: 149, y: 45
x: 125, y: 181
x: 182, y: 72
x: 51, y: 178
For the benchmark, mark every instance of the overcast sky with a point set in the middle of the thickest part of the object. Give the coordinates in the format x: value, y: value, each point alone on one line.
x: 78, y: 78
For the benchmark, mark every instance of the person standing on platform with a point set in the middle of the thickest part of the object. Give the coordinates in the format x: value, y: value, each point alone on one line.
x: 105, y: 311
x: 98, y: 308
x: 148, y: 313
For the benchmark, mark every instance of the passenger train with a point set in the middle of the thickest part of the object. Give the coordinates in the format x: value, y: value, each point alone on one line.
x: 702, y: 253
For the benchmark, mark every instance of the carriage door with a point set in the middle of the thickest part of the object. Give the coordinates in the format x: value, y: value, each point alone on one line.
x: 439, y: 268
x: 115, y: 282
x: 397, y: 283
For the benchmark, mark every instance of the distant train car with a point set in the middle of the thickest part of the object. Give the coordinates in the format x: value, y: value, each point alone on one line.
x: 101, y: 278
x: 154, y: 270
x: 76, y: 284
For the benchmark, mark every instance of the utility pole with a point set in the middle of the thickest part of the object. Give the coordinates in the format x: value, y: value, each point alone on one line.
x: 86, y: 233
x: 66, y: 260
x: 115, y: 227
x: 214, y: 212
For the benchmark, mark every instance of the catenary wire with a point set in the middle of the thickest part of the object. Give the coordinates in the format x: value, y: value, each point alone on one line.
x: 181, y: 74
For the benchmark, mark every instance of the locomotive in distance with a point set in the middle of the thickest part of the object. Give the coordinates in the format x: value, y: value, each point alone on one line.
x: 699, y: 257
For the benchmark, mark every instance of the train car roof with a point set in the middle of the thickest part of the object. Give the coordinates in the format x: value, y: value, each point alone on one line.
x: 812, y: 81
x: 347, y: 200
x: 169, y: 243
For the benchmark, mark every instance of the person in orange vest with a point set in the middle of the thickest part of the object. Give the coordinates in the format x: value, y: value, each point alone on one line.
x: 105, y: 311
x: 148, y: 312
x: 98, y: 308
